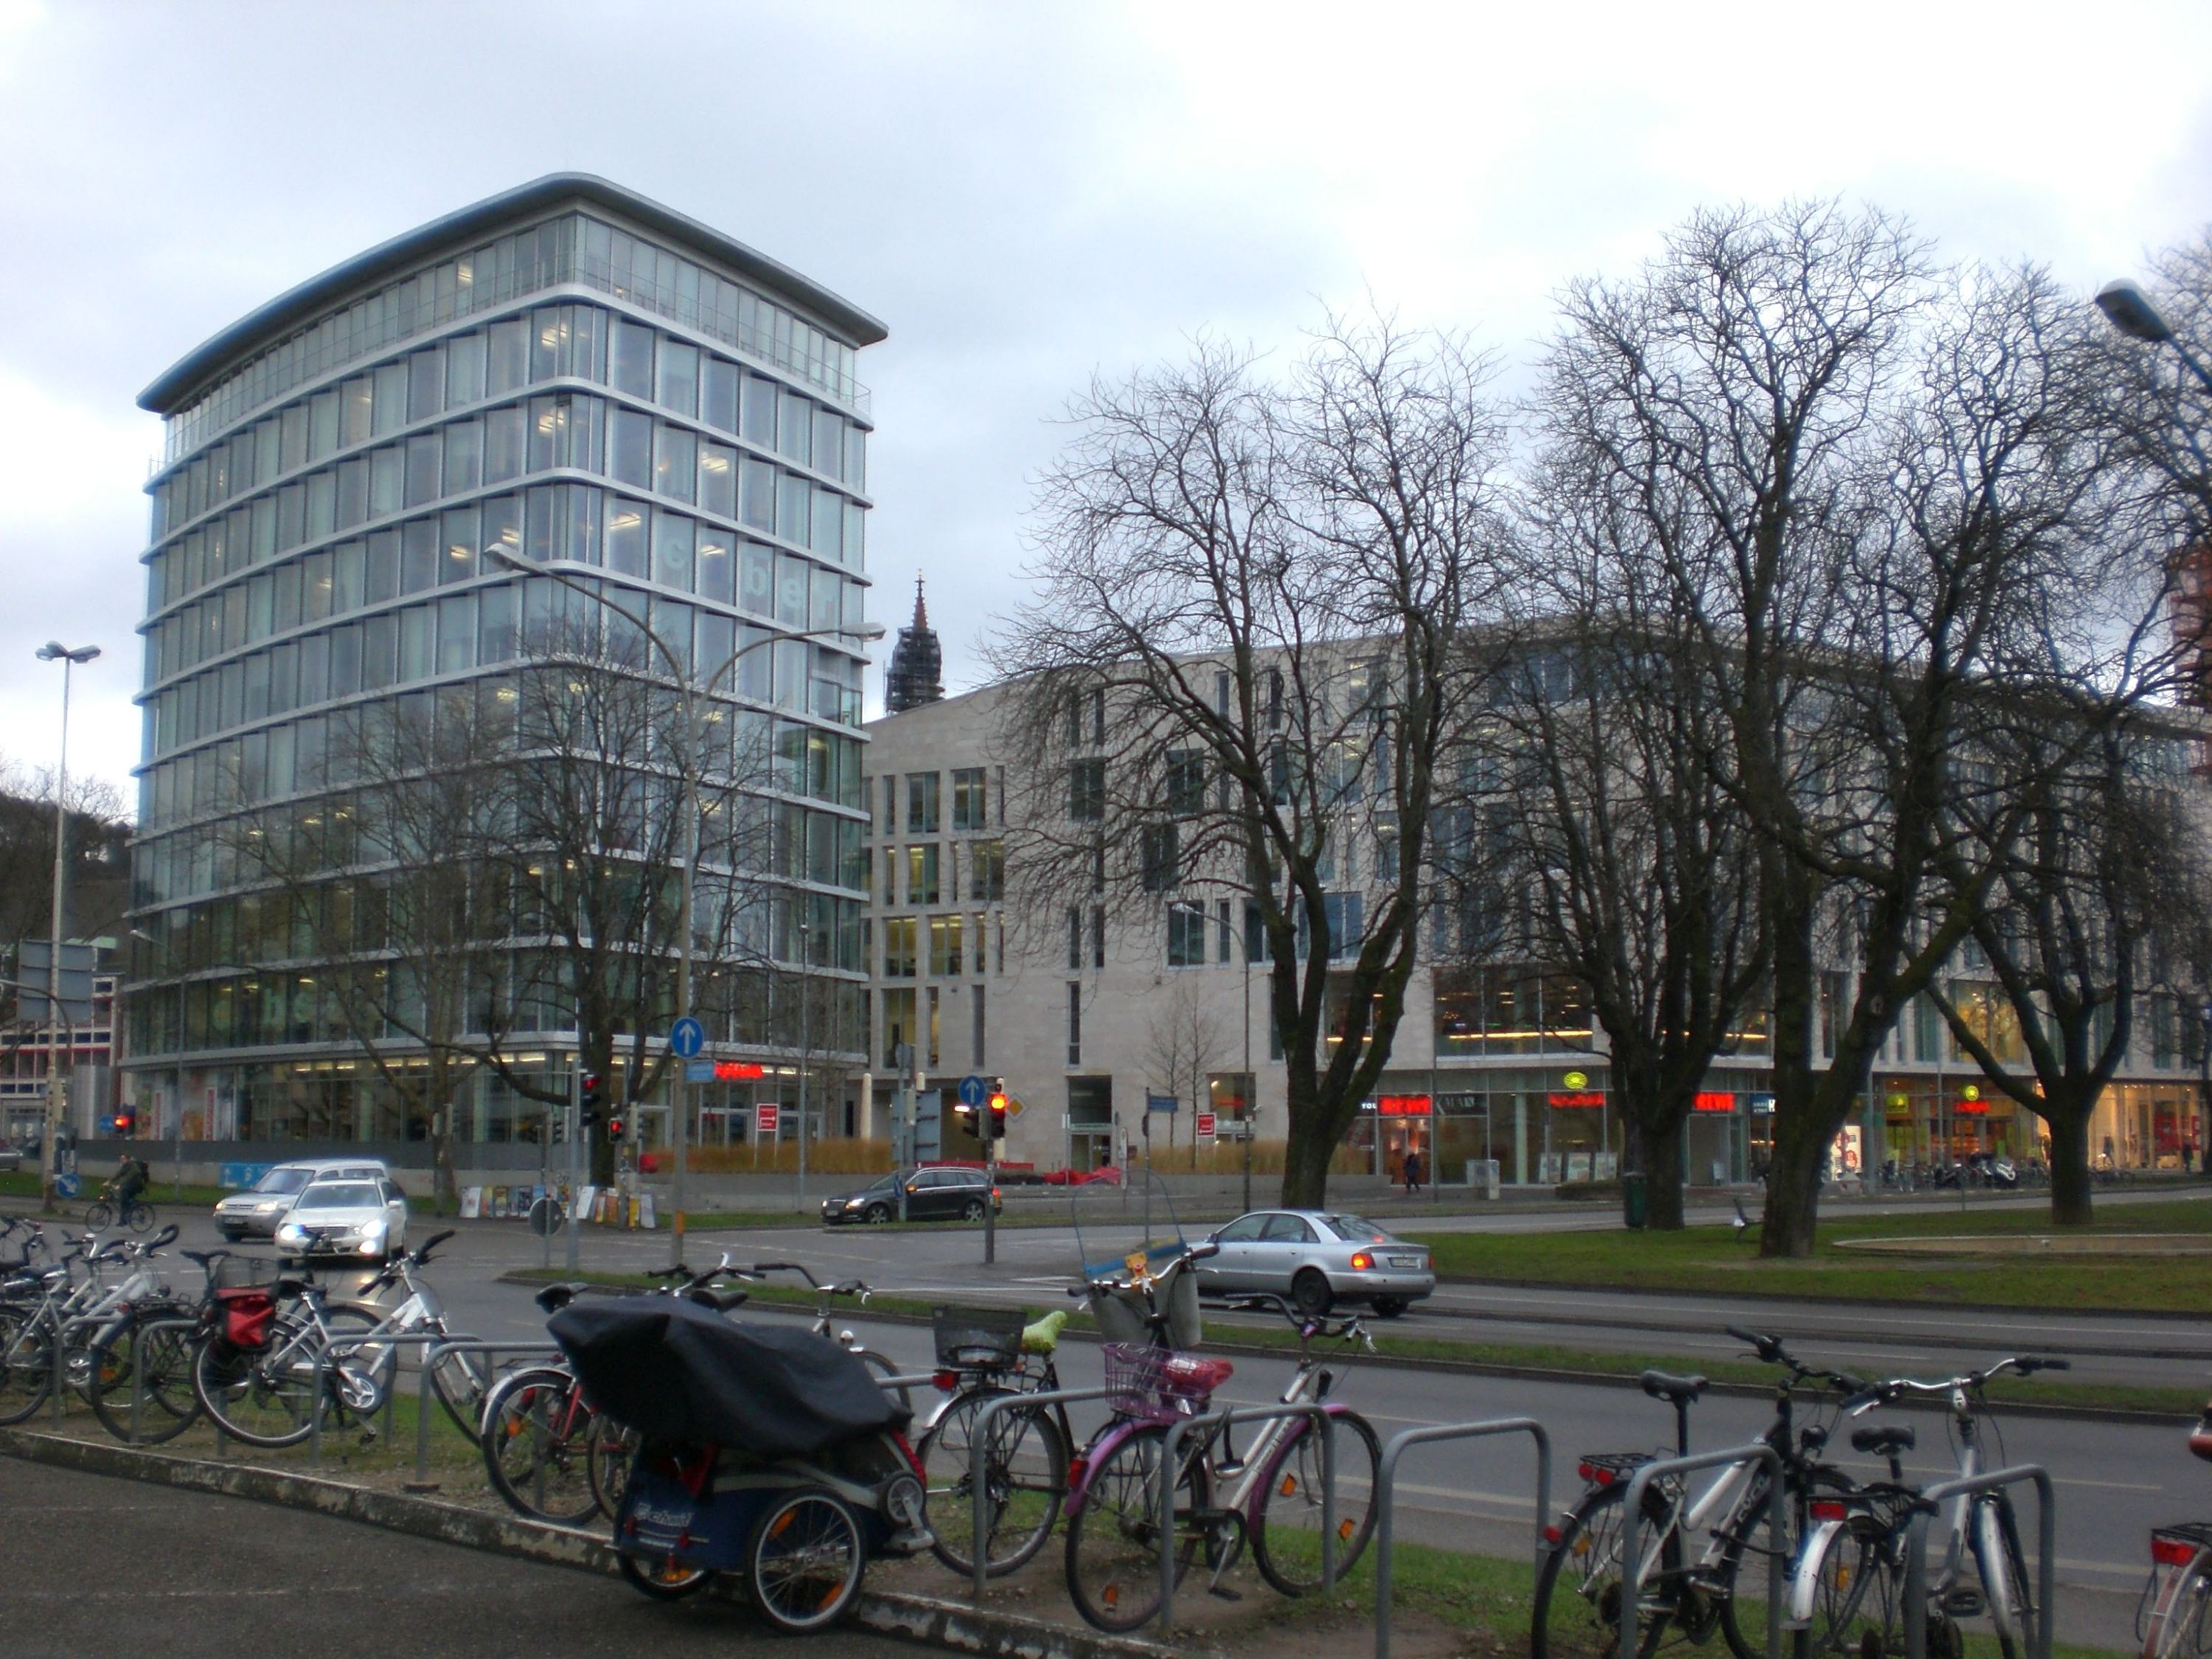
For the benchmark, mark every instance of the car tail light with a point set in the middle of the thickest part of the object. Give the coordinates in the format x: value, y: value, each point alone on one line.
x: 1828, y: 1510
x: 1362, y: 1262
x: 2172, y: 1552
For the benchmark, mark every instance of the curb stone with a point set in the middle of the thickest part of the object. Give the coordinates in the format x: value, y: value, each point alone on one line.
x: 952, y: 1626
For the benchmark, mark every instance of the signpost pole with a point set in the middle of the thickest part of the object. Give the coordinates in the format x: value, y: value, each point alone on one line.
x: 575, y: 1110
x: 990, y: 1198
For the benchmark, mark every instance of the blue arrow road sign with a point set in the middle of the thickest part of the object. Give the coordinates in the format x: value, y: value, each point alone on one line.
x: 974, y: 1091
x: 686, y: 1037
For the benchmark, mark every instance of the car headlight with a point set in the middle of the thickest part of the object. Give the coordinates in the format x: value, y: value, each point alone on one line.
x: 855, y: 1203
x: 292, y: 1233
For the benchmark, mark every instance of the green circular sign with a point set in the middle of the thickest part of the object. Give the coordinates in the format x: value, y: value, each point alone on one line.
x: 1576, y: 1079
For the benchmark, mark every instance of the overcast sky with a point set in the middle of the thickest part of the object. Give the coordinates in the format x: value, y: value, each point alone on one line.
x: 1024, y: 193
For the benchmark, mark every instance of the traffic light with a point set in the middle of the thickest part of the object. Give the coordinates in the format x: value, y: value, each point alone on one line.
x: 615, y: 1127
x: 965, y: 1114
x: 122, y: 1125
x: 594, y: 1098
x: 997, y: 1109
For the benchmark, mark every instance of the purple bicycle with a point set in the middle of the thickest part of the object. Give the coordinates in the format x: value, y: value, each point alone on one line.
x: 1268, y: 1496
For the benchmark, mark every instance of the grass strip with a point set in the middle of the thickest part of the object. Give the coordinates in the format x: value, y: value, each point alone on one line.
x: 1712, y: 1261
x: 1490, y: 1356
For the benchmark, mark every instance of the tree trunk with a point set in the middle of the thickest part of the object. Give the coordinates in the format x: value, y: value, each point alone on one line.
x: 1635, y: 1156
x: 445, y: 1187
x: 2072, y: 1201
x: 1792, y: 1184
x: 1663, y: 1179
x: 1305, y: 1171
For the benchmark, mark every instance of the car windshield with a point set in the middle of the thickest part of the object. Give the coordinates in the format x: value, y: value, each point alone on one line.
x: 1358, y: 1230
x: 339, y: 1196
x: 283, y: 1181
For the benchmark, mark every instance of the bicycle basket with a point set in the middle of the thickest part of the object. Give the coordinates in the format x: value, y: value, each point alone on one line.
x: 977, y: 1338
x: 247, y: 1313
x: 240, y: 1272
x: 1159, y: 1383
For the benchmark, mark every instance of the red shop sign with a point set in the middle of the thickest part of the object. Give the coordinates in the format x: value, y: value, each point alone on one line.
x: 1588, y: 1099
x: 1713, y: 1100
x: 736, y: 1071
x: 1402, y: 1105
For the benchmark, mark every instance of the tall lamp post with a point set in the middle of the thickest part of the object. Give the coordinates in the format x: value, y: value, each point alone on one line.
x: 57, y: 1087
x: 688, y: 686
x: 2130, y: 310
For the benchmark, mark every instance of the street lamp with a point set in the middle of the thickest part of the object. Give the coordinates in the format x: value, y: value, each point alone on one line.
x: 868, y: 632
x: 56, y: 1090
x: 2130, y: 310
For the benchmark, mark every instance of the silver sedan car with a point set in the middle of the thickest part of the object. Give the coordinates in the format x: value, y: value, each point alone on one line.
x: 1317, y: 1258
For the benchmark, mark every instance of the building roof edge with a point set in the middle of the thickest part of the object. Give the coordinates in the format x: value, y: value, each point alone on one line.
x: 174, y: 387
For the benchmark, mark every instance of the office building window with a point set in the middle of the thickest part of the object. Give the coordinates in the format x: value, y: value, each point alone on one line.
x: 1186, y: 935
x: 1074, y: 1023
x: 921, y: 803
x: 1086, y: 791
x: 989, y: 881
x: 1098, y: 936
x: 969, y: 805
x: 945, y: 934
x: 1074, y: 940
x: 921, y: 875
x: 901, y: 934
x: 1156, y: 857
x: 979, y: 1056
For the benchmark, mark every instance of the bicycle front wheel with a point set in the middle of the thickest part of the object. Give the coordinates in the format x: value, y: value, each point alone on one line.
x: 1025, y: 1468
x: 537, y: 1436
x: 2005, y: 1582
x: 460, y: 1381
x: 1287, y: 1528
x: 100, y: 1216
x: 1577, y: 1609
x: 154, y: 1366
x: 1113, y: 1542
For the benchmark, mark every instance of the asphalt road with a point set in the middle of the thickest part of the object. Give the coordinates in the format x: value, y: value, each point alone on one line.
x: 99, y: 1566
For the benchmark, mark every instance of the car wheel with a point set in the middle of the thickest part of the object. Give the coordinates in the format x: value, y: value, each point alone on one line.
x: 972, y: 1210
x: 1310, y: 1294
x: 230, y: 1235
x: 1389, y: 1307
x: 877, y: 1214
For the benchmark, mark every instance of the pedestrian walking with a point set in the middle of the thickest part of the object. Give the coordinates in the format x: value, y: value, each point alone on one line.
x: 1413, y: 1169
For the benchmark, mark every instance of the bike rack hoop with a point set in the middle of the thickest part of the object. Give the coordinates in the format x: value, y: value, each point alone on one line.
x: 138, y: 1334
x: 1632, y: 1560
x: 2046, y: 1550
x: 979, y: 1482
x: 1214, y: 1423
x: 1386, y: 1490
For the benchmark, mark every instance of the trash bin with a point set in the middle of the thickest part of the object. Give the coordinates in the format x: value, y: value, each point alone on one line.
x: 1635, y: 1202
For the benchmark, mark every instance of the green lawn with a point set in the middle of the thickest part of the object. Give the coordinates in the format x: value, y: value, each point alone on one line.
x: 1271, y: 1340
x: 1714, y: 1260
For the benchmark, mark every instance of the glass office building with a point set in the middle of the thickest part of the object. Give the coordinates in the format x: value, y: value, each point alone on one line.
x: 569, y: 373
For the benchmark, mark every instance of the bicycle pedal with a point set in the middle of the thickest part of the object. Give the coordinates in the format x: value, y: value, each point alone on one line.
x: 1222, y: 1592
x: 1964, y: 1602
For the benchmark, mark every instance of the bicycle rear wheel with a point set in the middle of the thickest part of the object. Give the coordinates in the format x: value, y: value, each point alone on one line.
x: 26, y: 1364
x: 1113, y: 1541
x: 1844, y: 1567
x: 263, y: 1396
x: 537, y: 1436
x: 1026, y: 1465
x: 1286, y: 1531
x: 1578, y: 1608
x: 161, y: 1359
x: 461, y: 1382
x: 2005, y: 1581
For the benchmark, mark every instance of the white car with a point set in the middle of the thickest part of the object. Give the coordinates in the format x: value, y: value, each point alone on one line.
x: 258, y: 1211
x: 342, y: 1219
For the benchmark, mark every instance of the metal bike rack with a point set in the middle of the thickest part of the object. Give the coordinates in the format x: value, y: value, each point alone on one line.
x: 2046, y: 1551
x: 396, y: 1338
x: 1777, y: 1512
x: 978, y: 1479
x: 1386, y: 1484
x: 446, y: 1345
x: 1214, y: 1422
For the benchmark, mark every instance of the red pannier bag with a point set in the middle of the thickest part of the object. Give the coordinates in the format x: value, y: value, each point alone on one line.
x: 247, y: 1314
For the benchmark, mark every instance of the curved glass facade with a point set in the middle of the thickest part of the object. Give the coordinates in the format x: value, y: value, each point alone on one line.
x: 329, y: 531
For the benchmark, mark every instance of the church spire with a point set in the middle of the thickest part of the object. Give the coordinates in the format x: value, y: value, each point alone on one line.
x: 915, y: 674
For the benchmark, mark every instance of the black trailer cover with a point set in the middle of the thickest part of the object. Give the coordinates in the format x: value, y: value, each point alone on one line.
x: 675, y: 1371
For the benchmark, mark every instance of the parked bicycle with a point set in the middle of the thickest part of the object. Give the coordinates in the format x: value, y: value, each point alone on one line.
x: 2170, y: 1620
x: 1693, y: 1544
x: 1867, y: 1547
x: 983, y: 1355
x: 1268, y: 1496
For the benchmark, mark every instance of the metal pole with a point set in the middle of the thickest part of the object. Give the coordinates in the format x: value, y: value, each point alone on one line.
x: 991, y: 1193
x: 679, y: 1091
x: 1251, y: 1086
x: 56, y: 1090
x: 805, y: 1040
x: 575, y: 1139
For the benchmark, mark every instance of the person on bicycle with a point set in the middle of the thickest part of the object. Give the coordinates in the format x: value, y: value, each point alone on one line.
x: 131, y: 1178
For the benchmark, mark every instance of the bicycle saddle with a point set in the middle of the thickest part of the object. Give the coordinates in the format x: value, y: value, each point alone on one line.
x: 554, y: 1298
x: 293, y: 1286
x: 726, y: 1301
x: 1680, y: 1390
x: 1883, y: 1441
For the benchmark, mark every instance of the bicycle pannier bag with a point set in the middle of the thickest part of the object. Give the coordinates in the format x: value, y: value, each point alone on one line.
x: 247, y: 1314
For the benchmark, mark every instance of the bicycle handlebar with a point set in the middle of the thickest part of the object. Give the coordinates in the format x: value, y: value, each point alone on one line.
x: 1896, y: 1388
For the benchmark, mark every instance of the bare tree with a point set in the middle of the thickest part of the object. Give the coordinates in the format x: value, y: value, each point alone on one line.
x: 2099, y: 899
x: 379, y: 894
x: 1241, y: 669
x: 1188, y: 1041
